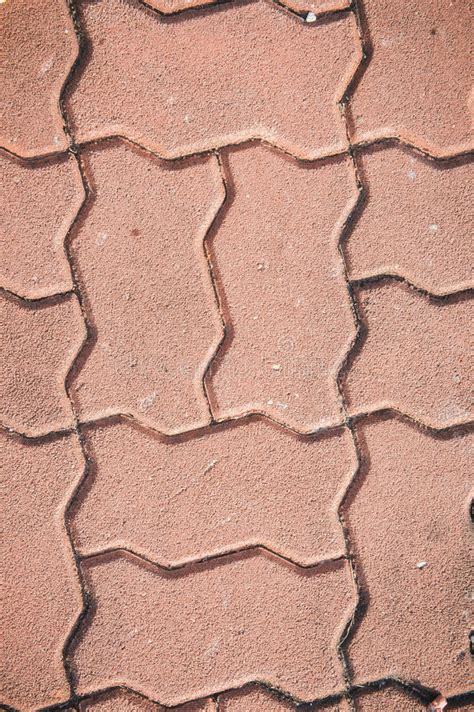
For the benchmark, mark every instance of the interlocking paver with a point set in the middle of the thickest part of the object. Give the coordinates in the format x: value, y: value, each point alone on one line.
x: 315, y: 6
x: 39, y: 344
x: 389, y: 699
x: 412, y: 357
x: 146, y: 285
x: 126, y: 701
x: 417, y: 221
x: 241, y: 486
x: 40, y: 202
x: 39, y: 47
x: 418, y: 82
x: 409, y: 526
x: 257, y: 699
x: 212, y: 78
x: 41, y: 597
x: 176, y: 636
x: 277, y: 240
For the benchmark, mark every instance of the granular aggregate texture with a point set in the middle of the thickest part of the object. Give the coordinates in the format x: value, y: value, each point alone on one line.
x: 236, y: 383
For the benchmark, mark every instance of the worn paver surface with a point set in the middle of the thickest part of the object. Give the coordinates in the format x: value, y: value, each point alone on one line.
x: 236, y: 387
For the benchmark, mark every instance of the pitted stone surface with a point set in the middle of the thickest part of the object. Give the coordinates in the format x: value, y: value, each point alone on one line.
x: 40, y: 202
x: 41, y: 596
x: 221, y: 625
x: 277, y: 239
x: 39, y: 48
x: 39, y: 344
x: 146, y: 286
x: 412, y: 356
x: 252, y: 484
x: 257, y: 699
x: 423, y: 210
x: 418, y: 83
x: 213, y: 78
x: 409, y: 523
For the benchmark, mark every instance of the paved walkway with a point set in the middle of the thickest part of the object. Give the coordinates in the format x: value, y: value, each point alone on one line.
x: 236, y: 394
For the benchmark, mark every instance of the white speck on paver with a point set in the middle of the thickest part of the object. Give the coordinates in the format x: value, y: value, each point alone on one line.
x: 269, y: 402
x: 276, y: 367
x: 209, y: 467
x: 101, y: 238
x: 421, y: 565
x: 311, y: 17
x: 411, y: 174
x: 46, y: 66
x: 261, y: 266
x: 433, y: 227
x: 147, y: 402
x: 281, y: 406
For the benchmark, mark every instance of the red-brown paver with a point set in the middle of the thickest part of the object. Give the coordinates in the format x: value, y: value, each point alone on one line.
x: 395, y: 699
x: 213, y: 78
x: 39, y: 344
x: 423, y: 210
x: 40, y: 202
x: 175, y: 636
x: 126, y: 701
x: 408, y: 522
x: 39, y: 47
x: 145, y: 281
x: 412, y: 357
x: 41, y: 598
x: 417, y: 85
x: 248, y: 485
x: 258, y: 699
x: 277, y: 239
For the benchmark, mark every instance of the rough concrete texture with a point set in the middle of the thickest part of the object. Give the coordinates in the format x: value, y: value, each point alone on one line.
x: 222, y: 78
x: 39, y: 47
x: 232, y: 234
x: 417, y: 85
x: 424, y: 210
x: 126, y: 701
x: 144, y: 277
x: 39, y: 344
x: 253, y: 484
x: 277, y: 238
x: 40, y: 202
x: 220, y: 623
x: 41, y: 596
x: 412, y: 356
x: 408, y: 520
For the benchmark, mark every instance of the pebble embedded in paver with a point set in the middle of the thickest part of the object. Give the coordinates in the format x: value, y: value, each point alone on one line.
x: 424, y: 211
x: 420, y: 66
x: 40, y: 202
x: 127, y: 701
x: 412, y: 503
x: 146, y: 286
x: 213, y: 77
x: 253, y: 698
x: 41, y: 598
x: 39, y: 49
x: 277, y: 240
x: 178, y: 636
x: 412, y: 356
x: 249, y: 484
x: 39, y: 344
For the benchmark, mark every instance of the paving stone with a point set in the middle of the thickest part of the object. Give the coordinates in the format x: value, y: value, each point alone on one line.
x: 422, y: 211
x: 41, y: 596
x: 126, y: 701
x: 316, y: 6
x: 413, y: 356
x: 40, y: 202
x: 176, y: 636
x: 277, y: 239
x: 214, y: 77
x: 409, y: 526
x: 39, y: 49
x: 39, y: 344
x: 257, y: 699
x: 245, y: 485
x: 146, y: 285
x: 417, y: 85
x: 389, y: 699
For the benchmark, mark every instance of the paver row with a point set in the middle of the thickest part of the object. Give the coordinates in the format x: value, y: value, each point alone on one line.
x: 219, y: 75
x: 185, y: 634
x: 154, y: 328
